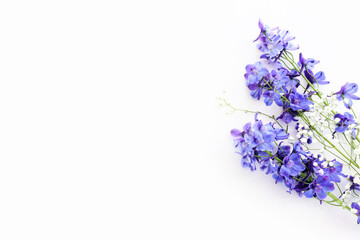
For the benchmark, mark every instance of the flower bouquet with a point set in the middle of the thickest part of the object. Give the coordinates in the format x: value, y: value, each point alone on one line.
x: 313, y: 146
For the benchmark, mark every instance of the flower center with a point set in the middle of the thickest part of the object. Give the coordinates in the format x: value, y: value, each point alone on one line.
x: 290, y: 164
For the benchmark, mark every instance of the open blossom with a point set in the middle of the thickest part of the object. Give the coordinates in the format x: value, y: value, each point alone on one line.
x: 346, y: 94
x: 292, y: 165
x: 334, y: 171
x: 254, y: 74
x: 318, y: 78
x: 344, y: 121
x: 272, y: 42
x: 307, y: 63
x: 299, y: 101
x: 319, y: 188
x: 254, y: 78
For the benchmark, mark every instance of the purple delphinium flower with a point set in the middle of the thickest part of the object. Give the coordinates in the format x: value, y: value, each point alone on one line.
x: 254, y: 74
x: 334, y: 171
x: 265, y: 30
x: 308, y: 63
x: 271, y: 47
x: 288, y: 116
x: 292, y: 166
x: 299, y: 101
x: 276, y: 84
x: 319, y: 77
x: 268, y: 164
x: 355, y: 208
x: 255, y: 139
x: 280, y: 134
x: 299, y: 149
x: 346, y: 94
x: 286, y: 38
x: 305, y: 67
x: 245, y: 146
x: 272, y: 42
x: 284, y: 151
x: 319, y: 188
x: 345, y: 120
x: 263, y: 136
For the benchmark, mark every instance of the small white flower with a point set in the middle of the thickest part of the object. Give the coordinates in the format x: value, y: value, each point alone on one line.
x: 328, y: 136
x: 321, y: 172
x: 303, y: 140
x: 331, y: 164
x: 315, y: 164
x: 357, y: 180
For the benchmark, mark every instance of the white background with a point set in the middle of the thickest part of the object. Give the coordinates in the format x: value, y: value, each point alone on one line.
x: 110, y: 128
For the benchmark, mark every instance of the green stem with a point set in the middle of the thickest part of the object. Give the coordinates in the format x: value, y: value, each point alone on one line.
x: 338, y: 200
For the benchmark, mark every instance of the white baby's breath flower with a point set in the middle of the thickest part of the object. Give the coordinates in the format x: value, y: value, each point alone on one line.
x: 357, y: 179
x: 353, y: 210
x: 327, y: 109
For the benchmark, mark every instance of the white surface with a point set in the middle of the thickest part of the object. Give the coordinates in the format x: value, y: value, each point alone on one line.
x: 110, y: 129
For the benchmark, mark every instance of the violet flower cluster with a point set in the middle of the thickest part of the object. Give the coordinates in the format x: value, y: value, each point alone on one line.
x: 316, y: 155
x: 262, y: 145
